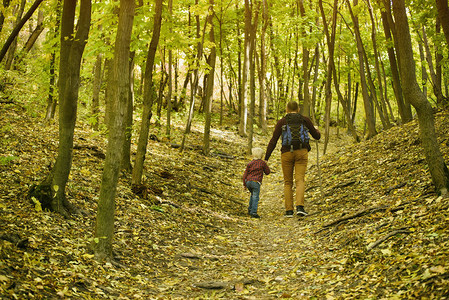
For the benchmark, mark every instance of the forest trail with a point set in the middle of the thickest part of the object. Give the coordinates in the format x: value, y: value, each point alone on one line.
x: 267, y: 258
x: 375, y: 230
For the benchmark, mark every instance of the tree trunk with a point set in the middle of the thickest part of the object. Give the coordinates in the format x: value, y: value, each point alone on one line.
x: 126, y: 153
x: 51, y: 100
x: 2, y: 16
x: 437, y: 167
x: 96, y: 87
x: 367, y: 100
x: 305, y: 67
x: 252, y: 72
x: 72, y: 48
x: 383, y: 111
x: 170, y: 76
x: 17, y: 29
x: 194, y: 84
x: 118, y: 86
x: 12, y: 49
x: 31, y: 39
x: 314, y: 87
x: 245, y: 71
x: 433, y: 76
x: 443, y: 16
x: 210, y: 81
x: 148, y: 97
x: 328, y: 92
x: 262, y: 72
x: 404, y: 109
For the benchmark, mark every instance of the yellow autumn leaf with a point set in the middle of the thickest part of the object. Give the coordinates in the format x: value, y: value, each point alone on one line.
x: 438, y: 269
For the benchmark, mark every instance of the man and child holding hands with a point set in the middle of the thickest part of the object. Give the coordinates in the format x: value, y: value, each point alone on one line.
x: 294, y: 129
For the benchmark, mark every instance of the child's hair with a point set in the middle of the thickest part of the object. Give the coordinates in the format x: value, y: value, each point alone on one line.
x: 257, y: 153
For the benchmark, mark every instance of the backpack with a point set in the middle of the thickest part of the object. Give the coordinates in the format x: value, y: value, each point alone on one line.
x: 295, y: 133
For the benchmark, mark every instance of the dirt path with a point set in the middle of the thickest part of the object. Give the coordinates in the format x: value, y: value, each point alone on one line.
x: 265, y: 258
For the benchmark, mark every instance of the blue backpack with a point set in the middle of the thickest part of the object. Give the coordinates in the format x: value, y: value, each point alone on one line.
x: 295, y: 133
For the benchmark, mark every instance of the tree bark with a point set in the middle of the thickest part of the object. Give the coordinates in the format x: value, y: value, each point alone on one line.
x: 148, y: 97
x: 433, y: 76
x: 263, y: 70
x: 95, y: 108
x: 126, y: 153
x: 118, y: 85
x: 51, y: 100
x: 12, y: 48
x: 305, y: 67
x: 443, y: 16
x: 31, y: 39
x: 17, y: 29
x: 245, y: 71
x: 72, y: 48
x: 170, y: 77
x: 437, y: 167
x: 367, y: 100
x: 252, y: 71
x: 210, y: 80
x: 2, y: 16
x: 404, y: 110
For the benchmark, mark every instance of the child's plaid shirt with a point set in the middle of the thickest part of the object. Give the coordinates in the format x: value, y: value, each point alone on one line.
x: 254, y: 171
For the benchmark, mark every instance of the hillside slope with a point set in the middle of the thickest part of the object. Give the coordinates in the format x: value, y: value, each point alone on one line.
x: 375, y: 228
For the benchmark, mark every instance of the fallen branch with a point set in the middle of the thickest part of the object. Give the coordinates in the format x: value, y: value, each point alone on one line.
x: 398, y: 186
x: 357, y: 214
x: 353, y: 216
x: 391, y: 234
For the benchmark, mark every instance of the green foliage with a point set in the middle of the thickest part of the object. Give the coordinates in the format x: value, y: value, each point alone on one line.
x: 5, y: 160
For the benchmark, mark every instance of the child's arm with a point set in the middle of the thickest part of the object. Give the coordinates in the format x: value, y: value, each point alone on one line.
x: 266, y: 169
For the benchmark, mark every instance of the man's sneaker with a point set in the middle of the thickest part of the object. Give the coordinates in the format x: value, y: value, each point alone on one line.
x: 255, y: 216
x: 300, y: 211
x: 289, y: 213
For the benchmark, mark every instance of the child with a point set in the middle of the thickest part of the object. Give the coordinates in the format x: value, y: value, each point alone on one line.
x: 252, y: 179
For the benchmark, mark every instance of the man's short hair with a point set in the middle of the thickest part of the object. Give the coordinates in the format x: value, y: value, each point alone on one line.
x: 292, y: 106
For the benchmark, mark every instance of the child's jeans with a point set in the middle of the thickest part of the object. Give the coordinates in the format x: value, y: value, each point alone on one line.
x: 254, y: 188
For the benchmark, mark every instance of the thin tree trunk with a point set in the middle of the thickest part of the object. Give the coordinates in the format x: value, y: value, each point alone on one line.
x: 148, y: 98
x: 17, y: 29
x: 262, y: 73
x: 245, y: 71
x: 51, y: 100
x: 72, y: 48
x: 31, y: 39
x: 118, y: 86
x: 437, y: 166
x: 433, y: 76
x: 404, y: 110
x: 443, y: 16
x: 252, y: 72
x: 170, y: 77
x: 305, y: 68
x: 314, y: 87
x: 12, y: 49
x: 367, y: 100
x: 2, y: 16
x: 383, y: 112
x: 96, y: 87
x: 210, y: 81
x: 126, y: 153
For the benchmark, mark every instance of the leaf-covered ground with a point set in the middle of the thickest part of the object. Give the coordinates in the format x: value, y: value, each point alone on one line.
x: 375, y: 230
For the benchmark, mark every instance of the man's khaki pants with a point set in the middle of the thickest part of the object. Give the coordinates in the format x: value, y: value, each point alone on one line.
x: 294, y: 161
